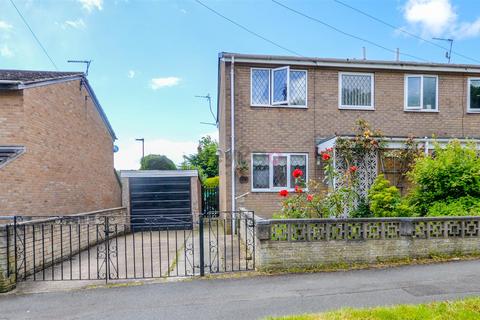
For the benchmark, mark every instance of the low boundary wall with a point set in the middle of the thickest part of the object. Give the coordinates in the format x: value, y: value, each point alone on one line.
x: 310, y: 243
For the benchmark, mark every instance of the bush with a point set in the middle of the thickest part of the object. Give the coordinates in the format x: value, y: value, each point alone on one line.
x: 157, y: 162
x: 302, y: 204
x: 385, y: 200
x: 465, y: 206
x: 211, y: 182
x: 450, y: 174
x: 362, y: 210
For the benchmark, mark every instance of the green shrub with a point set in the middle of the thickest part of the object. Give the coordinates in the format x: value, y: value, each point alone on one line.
x: 385, y: 200
x: 450, y: 174
x: 465, y: 206
x: 211, y: 182
x: 362, y: 210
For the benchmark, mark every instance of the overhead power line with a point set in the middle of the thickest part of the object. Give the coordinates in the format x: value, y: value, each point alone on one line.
x: 248, y: 30
x: 404, y: 31
x: 346, y: 33
x: 33, y: 34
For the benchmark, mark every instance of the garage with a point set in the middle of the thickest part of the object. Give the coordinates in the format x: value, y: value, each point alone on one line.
x: 161, y: 199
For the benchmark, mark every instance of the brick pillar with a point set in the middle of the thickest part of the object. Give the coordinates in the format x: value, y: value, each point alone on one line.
x: 7, y: 281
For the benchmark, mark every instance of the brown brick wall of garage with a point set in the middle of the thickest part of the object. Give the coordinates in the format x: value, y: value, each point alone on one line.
x: 297, y: 130
x: 68, y: 163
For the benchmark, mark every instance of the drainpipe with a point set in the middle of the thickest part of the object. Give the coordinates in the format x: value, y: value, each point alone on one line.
x: 426, y: 146
x: 232, y: 147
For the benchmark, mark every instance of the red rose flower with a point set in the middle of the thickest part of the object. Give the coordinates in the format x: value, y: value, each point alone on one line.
x: 353, y: 168
x: 297, y: 173
x: 325, y: 156
x: 283, y: 193
x: 329, y: 149
x: 298, y: 189
x: 309, y: 197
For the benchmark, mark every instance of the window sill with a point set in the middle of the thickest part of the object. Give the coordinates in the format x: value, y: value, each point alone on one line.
x: 421, y: 111
x: 274, y: 190
x: 473, y: 111
x: 356, y: 108
x: 279, y: 106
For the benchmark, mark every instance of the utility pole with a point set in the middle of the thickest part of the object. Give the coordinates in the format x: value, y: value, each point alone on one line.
x: 448, y: 54
x: 143, y: 147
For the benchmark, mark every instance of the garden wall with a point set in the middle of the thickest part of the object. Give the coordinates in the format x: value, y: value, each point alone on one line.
x: 290, y: 244
x: 37, y: 244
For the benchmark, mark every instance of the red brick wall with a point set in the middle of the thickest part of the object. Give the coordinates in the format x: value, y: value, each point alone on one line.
x: 296, y: 130
x: 68, y: 163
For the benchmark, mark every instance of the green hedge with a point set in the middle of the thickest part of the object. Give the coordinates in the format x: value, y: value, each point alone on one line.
x: 211, y: 182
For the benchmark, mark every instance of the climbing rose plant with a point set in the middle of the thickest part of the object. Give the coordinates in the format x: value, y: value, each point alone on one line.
x: 304, y: 202
x: 308, y: 200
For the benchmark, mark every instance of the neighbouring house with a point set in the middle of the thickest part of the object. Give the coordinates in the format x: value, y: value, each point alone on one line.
x: 277, y: 113
x: 56, y: 145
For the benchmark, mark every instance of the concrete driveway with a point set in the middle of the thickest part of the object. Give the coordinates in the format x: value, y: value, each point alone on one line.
x: 253, y: 297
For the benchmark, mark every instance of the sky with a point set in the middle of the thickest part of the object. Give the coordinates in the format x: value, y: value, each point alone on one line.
x: 151, y: 58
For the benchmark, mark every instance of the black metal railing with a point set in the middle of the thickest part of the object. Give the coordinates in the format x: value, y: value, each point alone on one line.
x: 210, y: 199
x: 110, y: 247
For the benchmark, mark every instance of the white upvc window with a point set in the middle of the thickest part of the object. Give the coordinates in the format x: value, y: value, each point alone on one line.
x: 272, y: 172
x: 279, y: 87
x: 421, y: 93
x: 356, y: 91
x: 473, y: 95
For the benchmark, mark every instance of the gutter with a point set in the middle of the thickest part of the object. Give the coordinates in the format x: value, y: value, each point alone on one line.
x: 356, y: 64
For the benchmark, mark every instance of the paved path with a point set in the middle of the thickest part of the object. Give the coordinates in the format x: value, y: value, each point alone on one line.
x: 253, y: 297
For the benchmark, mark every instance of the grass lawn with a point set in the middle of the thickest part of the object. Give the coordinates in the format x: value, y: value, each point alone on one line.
x: 460, y: 309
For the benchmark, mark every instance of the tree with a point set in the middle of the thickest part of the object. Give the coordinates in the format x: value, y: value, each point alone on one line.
x: 157, y: 162
x: 205, y: 160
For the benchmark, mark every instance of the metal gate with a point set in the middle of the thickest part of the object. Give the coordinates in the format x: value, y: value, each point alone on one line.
x: 210, y: 199
x: 115, y: 247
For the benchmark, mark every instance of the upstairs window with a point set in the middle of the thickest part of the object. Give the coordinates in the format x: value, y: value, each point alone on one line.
x: 278, y: 87
x: 421, y: 93
x: 273, y: 171
x: 356, y: 91
x: 473, y: 95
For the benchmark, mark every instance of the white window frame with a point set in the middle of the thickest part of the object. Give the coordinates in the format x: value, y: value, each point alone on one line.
x: 287, y: 100
x: 405, y: 93
x: 269, y: 87
x: 270, y: 169
x: 270, y: 81
x: 469, y: 110
x: 340, y: 88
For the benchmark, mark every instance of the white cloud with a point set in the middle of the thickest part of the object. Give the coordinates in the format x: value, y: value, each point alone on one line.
x: 76, y: 24
x: 157, y: 83
x: 468, y: 30
x: 91, y: 5
x: 130, y: 151
x: 6, y: 52
x: 438, y: 18
x: 5, y: 25
x: 131, y: 73
x: 433, y: 16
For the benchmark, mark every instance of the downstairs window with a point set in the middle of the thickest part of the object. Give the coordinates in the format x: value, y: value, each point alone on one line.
x: 273, y: 171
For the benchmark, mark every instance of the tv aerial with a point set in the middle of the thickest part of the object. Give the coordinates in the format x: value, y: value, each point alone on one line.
x: 87, y: 62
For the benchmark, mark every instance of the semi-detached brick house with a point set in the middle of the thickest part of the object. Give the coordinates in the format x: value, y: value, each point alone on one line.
x: 276, y: 113
x: 56, y: 145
